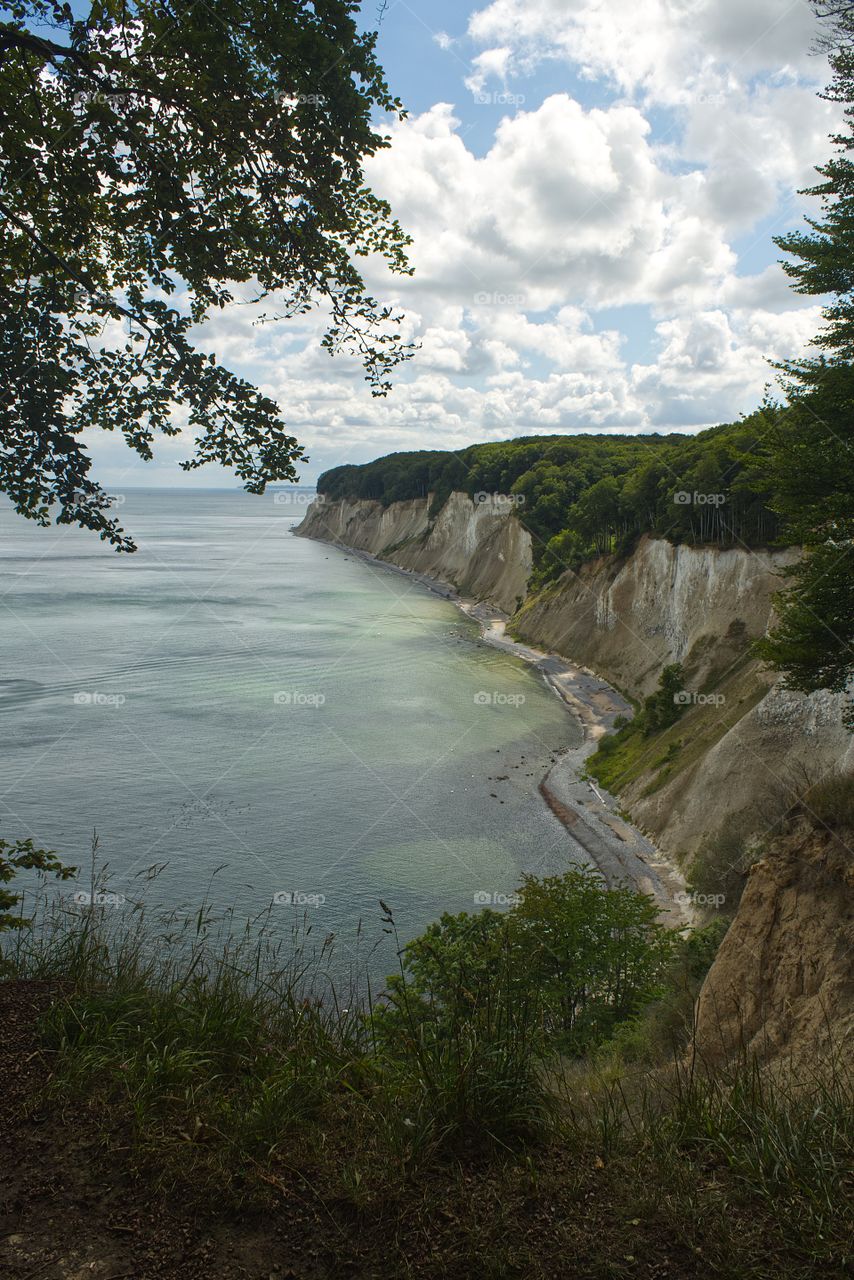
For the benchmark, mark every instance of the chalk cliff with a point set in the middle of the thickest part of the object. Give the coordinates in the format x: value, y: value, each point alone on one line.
x: 747, y: 750
x: 742, y: 754
x: 478, y: 547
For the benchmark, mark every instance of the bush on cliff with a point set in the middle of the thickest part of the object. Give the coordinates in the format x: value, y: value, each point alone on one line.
x: 571, y: 956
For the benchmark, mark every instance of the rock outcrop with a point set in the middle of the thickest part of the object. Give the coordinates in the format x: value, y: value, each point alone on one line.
x: 782, y: 983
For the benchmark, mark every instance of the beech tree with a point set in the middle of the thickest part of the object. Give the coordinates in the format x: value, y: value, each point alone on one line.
x: 154, y: 154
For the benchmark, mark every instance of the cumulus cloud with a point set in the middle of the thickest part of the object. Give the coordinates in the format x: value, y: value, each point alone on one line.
x: 666, y: 50
x: 651, y: 194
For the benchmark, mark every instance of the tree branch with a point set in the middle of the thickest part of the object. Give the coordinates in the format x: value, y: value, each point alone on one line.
x: 15, y: 38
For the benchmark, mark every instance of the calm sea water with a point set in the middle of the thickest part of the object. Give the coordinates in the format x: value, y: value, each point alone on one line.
x: 262, y: 717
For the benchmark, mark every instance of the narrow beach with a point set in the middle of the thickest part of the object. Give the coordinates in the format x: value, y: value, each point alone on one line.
x: 590, y: 815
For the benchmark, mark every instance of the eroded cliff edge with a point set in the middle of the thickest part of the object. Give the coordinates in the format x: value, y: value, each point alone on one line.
x: 478, y: 547
x: 782, y: 982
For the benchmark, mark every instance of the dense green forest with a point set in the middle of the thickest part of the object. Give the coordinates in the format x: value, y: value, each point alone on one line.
x: 586, y: 495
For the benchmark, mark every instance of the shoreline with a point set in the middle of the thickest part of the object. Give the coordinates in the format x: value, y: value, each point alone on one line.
x: 590, y: 815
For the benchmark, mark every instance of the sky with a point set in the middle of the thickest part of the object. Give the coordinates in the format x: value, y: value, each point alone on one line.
x: 592, y: 188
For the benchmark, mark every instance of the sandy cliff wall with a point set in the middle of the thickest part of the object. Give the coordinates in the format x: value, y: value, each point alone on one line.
x: 783, y: 981
x: 479, y: 547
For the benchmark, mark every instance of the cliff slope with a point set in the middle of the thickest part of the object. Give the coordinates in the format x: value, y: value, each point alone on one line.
x: 782, y: 982
x: 629, y: 618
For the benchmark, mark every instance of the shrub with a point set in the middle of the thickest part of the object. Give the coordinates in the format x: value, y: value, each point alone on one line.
x: 576, y: 956
x: 831, y: 801
x: 722, y: 862
x: 24, y: 856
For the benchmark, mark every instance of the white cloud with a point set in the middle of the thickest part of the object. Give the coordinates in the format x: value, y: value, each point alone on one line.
x: 663, y: 49
x: 492, y: 62
x: 706, y: 123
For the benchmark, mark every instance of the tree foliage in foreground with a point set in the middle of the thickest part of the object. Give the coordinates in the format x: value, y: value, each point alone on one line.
x: 584, y: 956
x: 154, y: 154
x: 22, y: 855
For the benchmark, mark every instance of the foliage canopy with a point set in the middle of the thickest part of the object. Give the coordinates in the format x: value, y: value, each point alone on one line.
x: 154, y: 155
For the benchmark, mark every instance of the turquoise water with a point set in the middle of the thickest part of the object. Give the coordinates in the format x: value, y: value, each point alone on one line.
x: 261, y: 716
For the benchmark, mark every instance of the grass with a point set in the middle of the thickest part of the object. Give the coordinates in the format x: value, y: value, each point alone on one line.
x: 222, y: 1050
x: 232, y: 1065
x: 628, y: 755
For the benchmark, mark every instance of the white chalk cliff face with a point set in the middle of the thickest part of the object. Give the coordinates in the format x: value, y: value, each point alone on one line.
x: 478, y: 547
x: 663, y: 604
x: 747, y: 747
x: 626, y: 619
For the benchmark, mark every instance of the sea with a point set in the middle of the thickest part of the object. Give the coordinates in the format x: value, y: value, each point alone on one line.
x: 254, y: 721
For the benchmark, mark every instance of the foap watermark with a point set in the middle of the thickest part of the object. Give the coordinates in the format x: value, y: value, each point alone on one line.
x: 85, y: 699
x: 685, y: 899
x: 683, y: 498
x: 486, y: 898
x: 82, y: 898
x: 297, y: 498
x: 294, y: 898
x: 686, y: 698
x: 298, y: 698
x: 505, y: 500
x: 484, y: 299
x: 84, y: 297
x: 485, y: 698
x: 498, y: 98
x: 116, y: 499
x: 90, y: 98
x: 287, y: 98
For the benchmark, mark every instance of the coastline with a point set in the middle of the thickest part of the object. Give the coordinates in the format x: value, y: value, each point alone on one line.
x: 589, y: 814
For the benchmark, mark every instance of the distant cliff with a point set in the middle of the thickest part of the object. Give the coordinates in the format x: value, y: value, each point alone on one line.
x: 478, y: 547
